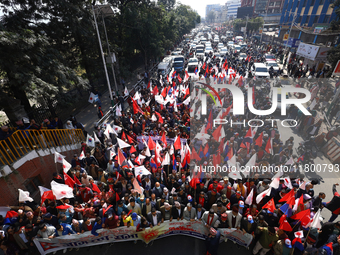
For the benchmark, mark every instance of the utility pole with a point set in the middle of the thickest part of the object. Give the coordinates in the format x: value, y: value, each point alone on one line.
x: 291, y: 27
x: 245, y: 31
x: 102, y: 53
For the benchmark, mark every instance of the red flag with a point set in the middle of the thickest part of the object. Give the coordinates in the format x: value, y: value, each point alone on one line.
x: 155, y: 91
x: 288, y: 196
x: 195, y: 155
x: 221, y: 146
x: 206, y: 149
x: 11, y: 214
x: 117, y: 197
x: 217, y: 133
x: 193, y: 183
x: 177, y: 143
x: 164, y: 93
x: 95, y: 188
x: 291, y: 201
x: 120, y: 157
x: 230, y: 153
x: 187, y: 92
x: 129, y: 139
x: 76, y: 181
x: 151, y: 144
x: 132, y: 149
x: 167, y: 78
x: 106, y: 209
x: 123, y: 136
x: 228, y: 206
x: 300, y: 203
x: 47, y: 195
x: 259, y: 140
x: 269, y: 146
x: 68, y: 180
x: 285, y: 226
x: 203, y: 66
x: 136, y: 107
x: 149, y: 83
x: 282, y: 218
x: 270, y: 205
x: 249, y: 133
x: 303, y: 217
x: 230, y: 79
x: 163, y: 139
x: 186, y: 75
x: 240, y: 82
x: 179, y: 78
x: 160, y: 119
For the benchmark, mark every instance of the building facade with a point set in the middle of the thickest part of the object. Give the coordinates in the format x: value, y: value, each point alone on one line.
x: 310, y: 13
x: 212, y: 7
x: 232, y: 7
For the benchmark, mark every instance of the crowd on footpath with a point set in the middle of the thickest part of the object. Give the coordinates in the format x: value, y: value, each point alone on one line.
x: 167, y: 135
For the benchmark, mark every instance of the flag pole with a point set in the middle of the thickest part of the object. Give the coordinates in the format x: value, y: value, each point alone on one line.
x: 306, y: 237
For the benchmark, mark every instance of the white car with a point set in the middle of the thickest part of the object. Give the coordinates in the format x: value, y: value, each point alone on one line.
x: 223, y: 51
x: 272, y: 64
x: 237, y: 48
x: 193, y: 61
x: 193, y: 46
x: 230, y: 43
x: 220, y: 46
x: 216, y: 40
x: 242, y: 56
x: 208, y: 50
x: 208, y: 44
x: 260, y: 70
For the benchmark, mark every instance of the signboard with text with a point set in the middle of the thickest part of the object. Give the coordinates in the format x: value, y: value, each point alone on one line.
x: 307, y: 50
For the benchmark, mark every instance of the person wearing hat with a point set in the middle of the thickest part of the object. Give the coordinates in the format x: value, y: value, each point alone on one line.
x: 178, y: 210
x: 213, y: 241
x: 189, y: 213
x: 166, y: 210
x: 283, y: 247
x: 136, y: 219
x: 248, y: 225
x: 210, y: 219
x: 268, y: 238
x: 224, y: 221
x: 224, y: 200
x: 234, y: 217
x: 236, y: 197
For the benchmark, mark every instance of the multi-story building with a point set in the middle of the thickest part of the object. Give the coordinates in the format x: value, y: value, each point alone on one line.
x: 212, y: 7
x: 309, y: 13
x: 247, y: 3
x: 232, y: 7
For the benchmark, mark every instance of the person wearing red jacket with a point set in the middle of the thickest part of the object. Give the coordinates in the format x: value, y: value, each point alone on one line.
x: 215, y: 185
x: 85, y: 193
x: 334, y: 204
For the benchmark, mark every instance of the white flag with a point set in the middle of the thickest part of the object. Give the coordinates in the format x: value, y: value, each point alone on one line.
x: 303, y: 185
x: 61, y: 190
x: 90, y: 141
x: 275, y: 183
x: 136, y: 96
x: 166, y: 160
x: 316, y: 221
x: 92, y: 98
x: 288, y: 182
x: 249, y: 199
x: 66, y: 166
x: 24, y: 196
x: 141, y: 170
x: 260, y: 196
x: 81, y: 156
x: 43, y: 190
x: 290, y: 161
x: 109, y: 130
x: 58, y: 157
x: 175, y: 106
x: 126, y: 92
x: 95, y: 137
x: 187, y: 101
x: 298, y: 234
x: 122, y: 144
x: 171, y: 149
x: 117, y: 129
x: 249, y: 166
x: 153, y: 118
x: 118, y: 112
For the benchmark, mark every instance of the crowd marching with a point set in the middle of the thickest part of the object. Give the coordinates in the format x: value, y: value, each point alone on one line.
x: 138, y: 171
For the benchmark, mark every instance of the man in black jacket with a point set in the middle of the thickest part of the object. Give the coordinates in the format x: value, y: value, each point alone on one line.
x: 334, y: 204
x: 177, y: 211
x: 326, y: 231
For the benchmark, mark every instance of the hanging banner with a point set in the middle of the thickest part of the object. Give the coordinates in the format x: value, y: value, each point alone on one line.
x: 106, y: 236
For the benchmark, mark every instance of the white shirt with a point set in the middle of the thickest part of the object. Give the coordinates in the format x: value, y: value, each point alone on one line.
x: 154, y: 219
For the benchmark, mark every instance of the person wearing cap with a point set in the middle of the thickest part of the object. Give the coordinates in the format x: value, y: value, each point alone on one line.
x: 268, y: 238
x: 166, y: 210
x: 213, y: 241
x: 215, y: 185
x: 154, y: 217
x: 189, y: 213
x: 213, y: 195
x: 236, y: 197
x: 210, y: 219
x: 248, y: 225
x: 224, y: 200
x: 50, y: 219
x: 174, y: 198
x: 112, y: 221
x: 234, y: 217
x: 283, y: 247
x: 136, y: 219
x: 224, y: 221
x: 166, y: 193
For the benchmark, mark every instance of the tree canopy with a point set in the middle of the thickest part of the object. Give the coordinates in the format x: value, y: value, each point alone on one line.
x: 253, y: 24
x: 49, y: 47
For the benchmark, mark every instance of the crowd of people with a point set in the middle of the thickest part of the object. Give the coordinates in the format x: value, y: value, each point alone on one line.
x: 276, y: 211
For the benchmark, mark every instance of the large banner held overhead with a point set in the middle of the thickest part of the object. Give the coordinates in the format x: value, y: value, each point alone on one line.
x: 189, y: 228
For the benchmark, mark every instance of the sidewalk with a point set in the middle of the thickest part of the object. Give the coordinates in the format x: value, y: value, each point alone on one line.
x: 88, y: 116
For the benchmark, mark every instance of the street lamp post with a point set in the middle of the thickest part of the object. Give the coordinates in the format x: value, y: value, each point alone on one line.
x: 103, y: 58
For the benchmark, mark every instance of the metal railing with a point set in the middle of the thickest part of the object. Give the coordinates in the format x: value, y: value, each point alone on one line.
x: 22, y: 142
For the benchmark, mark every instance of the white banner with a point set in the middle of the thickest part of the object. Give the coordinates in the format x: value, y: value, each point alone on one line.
x: 122, y: 234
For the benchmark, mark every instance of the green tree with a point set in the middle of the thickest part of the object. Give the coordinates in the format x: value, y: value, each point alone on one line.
x: 168, y: 4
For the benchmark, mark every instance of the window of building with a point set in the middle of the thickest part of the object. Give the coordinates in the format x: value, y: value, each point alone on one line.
x: 327, y: 18
x: 304, y: 3
x: 32, y: 185
x: 312, y: 3
x: 316, y: 18
x: 271, y: 4
x: 321, y: 2
x: 298, y: 20
x: 307, y: 20
x: 277, y: 3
